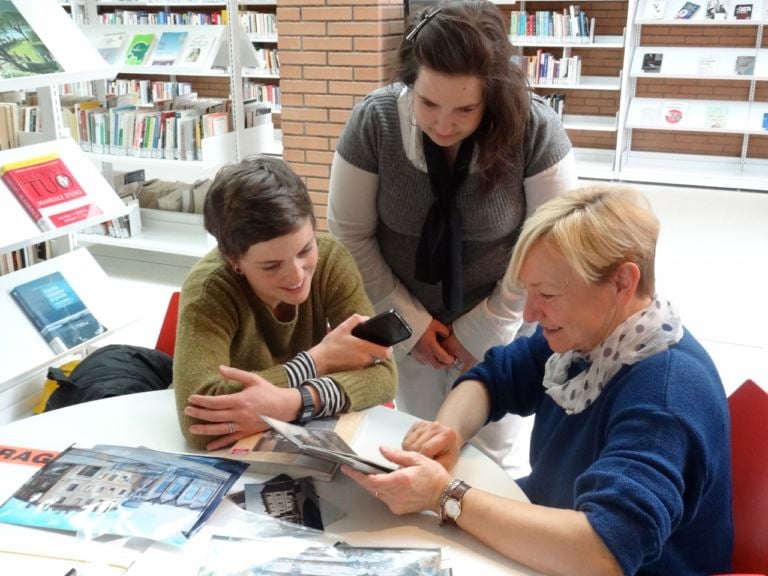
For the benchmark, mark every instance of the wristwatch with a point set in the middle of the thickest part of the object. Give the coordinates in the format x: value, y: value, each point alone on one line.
x: 307, y: 409
x: 450, y: 501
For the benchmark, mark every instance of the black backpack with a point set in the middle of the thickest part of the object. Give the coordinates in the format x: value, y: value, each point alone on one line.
x: 114, y: 370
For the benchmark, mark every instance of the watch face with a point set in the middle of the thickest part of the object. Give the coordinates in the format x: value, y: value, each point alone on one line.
x: 452, y: 508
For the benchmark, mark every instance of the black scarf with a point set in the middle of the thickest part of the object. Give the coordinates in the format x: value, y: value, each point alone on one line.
x: 438, y: 256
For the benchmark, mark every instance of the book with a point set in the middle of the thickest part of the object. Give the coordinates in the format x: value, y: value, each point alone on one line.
x: 652, y: 62
x: 742, y: 11
x: 674, y: 113
x: 707, y: 65
x: 198, y: 49
x: 765, y: 121
x: 23, y: 53
x: 110, y: 46
x: 138, y: 49
x: 687, y: 11
x: 123, y: 491
x: 657, y: 8
x: 26, y: 456
x: 269, y: 452
x: 56, y: 311
x: 168, y: 48
x: 48, y: 191
x: 716, y: 10
x: 715, y: 116
x: 744, y: 65
x: 327, y: 445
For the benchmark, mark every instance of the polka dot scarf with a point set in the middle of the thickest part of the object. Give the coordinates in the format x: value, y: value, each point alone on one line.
x: 645, y: 333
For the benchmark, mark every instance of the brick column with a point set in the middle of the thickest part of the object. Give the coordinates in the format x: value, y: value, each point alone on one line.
x: 332, y: 53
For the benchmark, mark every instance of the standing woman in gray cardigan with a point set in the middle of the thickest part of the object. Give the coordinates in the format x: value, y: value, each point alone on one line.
x: 432, y: 179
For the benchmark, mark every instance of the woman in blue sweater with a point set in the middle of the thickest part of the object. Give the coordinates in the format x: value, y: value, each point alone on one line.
x: 630, y: 448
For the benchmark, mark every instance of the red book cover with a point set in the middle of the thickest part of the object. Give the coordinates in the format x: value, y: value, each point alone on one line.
x: 48, y: 191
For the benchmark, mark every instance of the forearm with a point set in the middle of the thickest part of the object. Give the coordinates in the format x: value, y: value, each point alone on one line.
x: 454, y: 414
x: 549, y: 540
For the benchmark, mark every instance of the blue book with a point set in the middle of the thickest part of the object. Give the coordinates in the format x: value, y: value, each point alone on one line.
x: 168, y: 48
x: 57, y: 312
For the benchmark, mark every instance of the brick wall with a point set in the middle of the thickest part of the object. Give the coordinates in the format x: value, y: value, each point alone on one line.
x: 332, y: 53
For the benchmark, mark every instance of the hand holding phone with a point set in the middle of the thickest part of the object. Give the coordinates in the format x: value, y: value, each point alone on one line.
x: 385, y: 329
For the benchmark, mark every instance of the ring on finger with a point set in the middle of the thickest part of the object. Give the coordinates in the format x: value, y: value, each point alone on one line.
x: 231, y: 427
x: 376, y: 361
x: 376, y: 495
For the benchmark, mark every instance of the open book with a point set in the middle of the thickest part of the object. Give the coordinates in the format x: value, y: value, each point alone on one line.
x: 327, y: 445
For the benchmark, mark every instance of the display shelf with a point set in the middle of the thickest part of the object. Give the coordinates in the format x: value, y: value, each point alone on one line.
x: 600, y: 42
x: 685, y: 169
x: 162, y: 231
x: 25, y: 352
x: 607, y: 83
x: 647, y: 16
x: 705, y: 63
x: 593, y: 123
x: 76, y: 56
x: 17, y: 229
x: 597, y: 163
x: 721, y: 116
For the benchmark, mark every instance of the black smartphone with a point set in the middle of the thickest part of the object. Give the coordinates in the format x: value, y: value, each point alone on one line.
x: 385, y: 329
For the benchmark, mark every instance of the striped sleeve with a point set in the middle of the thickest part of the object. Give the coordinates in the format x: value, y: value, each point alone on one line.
x: 300, y: 369
x: 332, y: 398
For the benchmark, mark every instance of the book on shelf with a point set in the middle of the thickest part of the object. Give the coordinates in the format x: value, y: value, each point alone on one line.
x: 707, y: 65
x: 23, y: 52
x: 674, y: 113
x: 327, y: 445
x: 765, y: 121
x: 742, y: 11
x: 123, y: 491
x: 715, y: 116
x: 652, y: 62
x: 271, y: 452
x: 110, y: 46
x: 139, y: 49
x: 198, y: 49
x: 657, y: 8
x: 168, y: 48
x: 744, y: 65
x: 56, y: 311
x: 687, y: 11
x: 48, y: 191
x: 716, y: 10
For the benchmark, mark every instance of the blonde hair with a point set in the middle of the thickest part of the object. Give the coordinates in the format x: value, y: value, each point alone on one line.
x: 596, y: 229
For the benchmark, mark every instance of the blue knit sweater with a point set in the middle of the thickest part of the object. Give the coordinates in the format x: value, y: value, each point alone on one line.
x: 648, y: 462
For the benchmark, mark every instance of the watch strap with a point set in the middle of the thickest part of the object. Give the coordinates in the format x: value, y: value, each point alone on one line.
x: 307, y: 409
x: 454, y: 490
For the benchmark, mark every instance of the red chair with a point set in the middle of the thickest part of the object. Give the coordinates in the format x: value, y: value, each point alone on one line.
x: 166, y: 339
x: 748, y: 407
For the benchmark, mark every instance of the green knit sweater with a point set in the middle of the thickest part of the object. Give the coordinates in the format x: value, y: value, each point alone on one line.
x: 222, y: 321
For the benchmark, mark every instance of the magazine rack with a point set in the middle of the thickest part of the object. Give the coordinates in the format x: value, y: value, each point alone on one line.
x: 24, y: 351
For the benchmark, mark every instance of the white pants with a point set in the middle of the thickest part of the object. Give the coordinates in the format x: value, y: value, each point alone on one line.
x: 421, y: 392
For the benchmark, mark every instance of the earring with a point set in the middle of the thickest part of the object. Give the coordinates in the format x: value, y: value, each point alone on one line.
x: 238, y: 270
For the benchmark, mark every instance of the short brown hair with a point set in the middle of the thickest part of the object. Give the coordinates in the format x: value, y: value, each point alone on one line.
x: 255, y: 200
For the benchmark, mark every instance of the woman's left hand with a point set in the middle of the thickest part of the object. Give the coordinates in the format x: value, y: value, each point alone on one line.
x: 235, y: 416
x: 463, y: 359
x: 416, y: 486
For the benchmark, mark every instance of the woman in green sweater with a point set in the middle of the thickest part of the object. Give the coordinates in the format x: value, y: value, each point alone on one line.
x: 265, y: 318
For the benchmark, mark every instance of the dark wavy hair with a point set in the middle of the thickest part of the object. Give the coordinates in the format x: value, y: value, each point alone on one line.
x: 470, y: 38
x: 255, y: 200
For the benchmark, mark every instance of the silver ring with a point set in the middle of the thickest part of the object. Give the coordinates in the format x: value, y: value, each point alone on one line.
x: 231, y: 427
x: 376, y: 495
x: 376, y: 361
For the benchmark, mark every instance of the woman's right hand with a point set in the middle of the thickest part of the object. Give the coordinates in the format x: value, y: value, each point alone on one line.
x: 434, y: 440
x: 339, y: 350
x: 429, y: 350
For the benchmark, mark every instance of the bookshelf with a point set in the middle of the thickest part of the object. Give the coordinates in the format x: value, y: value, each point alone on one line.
x: 547, y: 32
x: 713, y: 72
x: 69, y: 57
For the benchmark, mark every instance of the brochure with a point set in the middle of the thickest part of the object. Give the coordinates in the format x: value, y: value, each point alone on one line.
x: 124, y: 491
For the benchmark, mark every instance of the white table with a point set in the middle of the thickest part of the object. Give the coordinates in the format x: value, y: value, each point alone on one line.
x: 149, y: 419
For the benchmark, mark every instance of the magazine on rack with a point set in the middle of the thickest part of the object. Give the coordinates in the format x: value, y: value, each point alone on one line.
x: 123, y: 491
x: 327, y: 445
